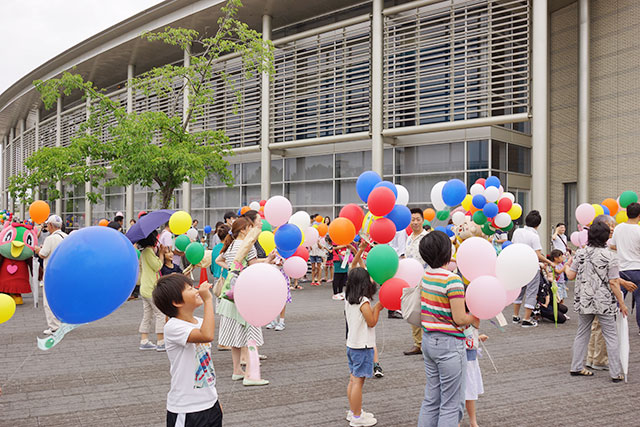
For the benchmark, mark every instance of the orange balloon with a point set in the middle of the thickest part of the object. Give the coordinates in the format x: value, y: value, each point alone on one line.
x: 319, y: 218
x: 612, y: 205
x: 322, y: 229
x: 244, y: 210
x: 104, y: 222
x: 342, y: 231
x: 39, y: 211
x: 429, y: 214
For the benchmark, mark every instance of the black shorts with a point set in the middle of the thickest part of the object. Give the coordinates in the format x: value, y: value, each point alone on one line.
x: 211, y: 417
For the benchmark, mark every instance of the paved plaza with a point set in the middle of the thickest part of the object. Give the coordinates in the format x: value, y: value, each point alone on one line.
x: 97, y: 376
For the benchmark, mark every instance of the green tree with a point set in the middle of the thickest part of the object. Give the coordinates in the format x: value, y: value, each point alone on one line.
x: 116, y: 148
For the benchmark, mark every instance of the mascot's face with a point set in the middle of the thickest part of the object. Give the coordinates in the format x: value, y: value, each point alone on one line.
x: 17, y: 241
x: 468, y: 229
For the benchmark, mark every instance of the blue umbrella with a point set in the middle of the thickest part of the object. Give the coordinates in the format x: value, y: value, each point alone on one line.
x: 148, y: 223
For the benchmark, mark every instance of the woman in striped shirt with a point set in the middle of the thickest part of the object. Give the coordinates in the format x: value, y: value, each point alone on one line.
x: 444, y: 318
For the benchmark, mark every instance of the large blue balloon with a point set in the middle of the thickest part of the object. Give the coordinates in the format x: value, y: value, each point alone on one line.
x: 454, y: 192
x: 390, y: 185
x: 400, y: 216
x: 90, y: 274
x: 492, y: 181
x: 479, y: 201
x: 288, y: 237
x: 490, y: 210
x: 285, y: 254
x: 365, y: 183
x: 207, y: 229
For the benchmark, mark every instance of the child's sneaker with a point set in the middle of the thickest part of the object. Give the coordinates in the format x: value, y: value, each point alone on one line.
x: 336, y: 297
x: 363, y: 421
x: 377, y: 371
x: 516, y: 319
x: 529, y: 323
x: 362, y: 414
x: 161, y: 347
x: 280, y: 326
x: 147, y: 346
x: 271, y: 325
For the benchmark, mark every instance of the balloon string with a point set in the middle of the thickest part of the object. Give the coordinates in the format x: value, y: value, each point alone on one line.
x: 18, y: 368
x: 484, y: 349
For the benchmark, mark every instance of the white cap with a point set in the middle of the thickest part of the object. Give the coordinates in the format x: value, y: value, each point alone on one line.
x: 119, y: 214
x: 55, y: 220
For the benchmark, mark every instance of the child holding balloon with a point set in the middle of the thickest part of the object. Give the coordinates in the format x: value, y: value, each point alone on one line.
x: 473, y: 383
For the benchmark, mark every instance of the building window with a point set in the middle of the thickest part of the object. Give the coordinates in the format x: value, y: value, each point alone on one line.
x: 570, y: 205
x: 477, y: 155
x: 519, y: 159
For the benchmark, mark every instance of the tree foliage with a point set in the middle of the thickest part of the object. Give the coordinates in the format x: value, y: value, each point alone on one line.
x: 116, y: 148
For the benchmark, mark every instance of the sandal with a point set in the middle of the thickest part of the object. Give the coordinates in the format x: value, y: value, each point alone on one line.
x: 298, y: 287
x: 618, y: 378
x: 582, y: 373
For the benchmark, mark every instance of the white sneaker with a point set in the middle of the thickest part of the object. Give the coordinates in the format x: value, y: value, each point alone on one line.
x: 49, y: 331
x: 362, y: 414
x: 341, y: 295
x: 336, y: 297
x: 280, y: 326
x: 363, y: 421
x: 271, y: 325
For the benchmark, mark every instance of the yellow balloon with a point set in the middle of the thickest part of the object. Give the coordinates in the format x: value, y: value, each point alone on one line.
x: 180, y: 222
x: 7, y: 307
x: 267, y: 241
x: 367, y: 221
x: 466, y: 203
x: 621, y: 217
x: 515, y: 212
x: 302, y: 243
x: 598, y: 208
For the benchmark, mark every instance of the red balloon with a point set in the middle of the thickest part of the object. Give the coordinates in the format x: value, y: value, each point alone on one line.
x: 263, y: 202
x: 408, y: 230
x: 391, y: 293
x: 302, y: 252
x: 480, y: 181
x: 504, y: 204
x: 383, y: 230
x: 354, y: 214
x: 381, y: 201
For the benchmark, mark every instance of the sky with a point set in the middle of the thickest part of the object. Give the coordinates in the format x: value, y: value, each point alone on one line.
x: 35, y: 31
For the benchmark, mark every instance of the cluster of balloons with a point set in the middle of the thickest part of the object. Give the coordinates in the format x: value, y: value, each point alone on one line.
x: 187, y: 237
x: 253, y: 206
x: 39, y: 211
x: 5, y: 215
x: 495, y: 280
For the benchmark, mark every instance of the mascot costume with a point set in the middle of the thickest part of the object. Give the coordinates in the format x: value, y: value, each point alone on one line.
x: 17, y: 243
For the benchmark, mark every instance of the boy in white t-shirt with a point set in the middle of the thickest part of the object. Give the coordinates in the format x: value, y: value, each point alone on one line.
x: 192, y: 399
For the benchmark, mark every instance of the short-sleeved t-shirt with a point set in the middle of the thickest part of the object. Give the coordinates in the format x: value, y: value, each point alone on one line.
x: 50, y: 244
x: 149, y: 271
x: 439, y: 287
x: 168, y: 270
x: 193, y: 378
x: 412, y: 248
x: 529, y: 236
x: 231, y: 251
x: 216, y: 270
x: 560, y: 243
x: 594, y: 268
x: 626, y: 239
x: 166, y: 239
x: 338, y: 257
x: 359, y: 334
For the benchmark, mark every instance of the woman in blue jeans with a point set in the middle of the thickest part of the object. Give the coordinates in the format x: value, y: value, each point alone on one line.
x: 444, y: 318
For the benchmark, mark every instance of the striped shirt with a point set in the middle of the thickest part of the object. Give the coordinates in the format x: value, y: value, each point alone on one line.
x: 439, y: 286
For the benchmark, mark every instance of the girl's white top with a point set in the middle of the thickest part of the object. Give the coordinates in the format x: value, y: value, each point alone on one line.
x: 359, y: 334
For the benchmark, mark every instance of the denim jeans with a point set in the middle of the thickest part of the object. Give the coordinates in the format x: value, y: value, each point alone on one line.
x: 633, y: 276
x: 445, y: 364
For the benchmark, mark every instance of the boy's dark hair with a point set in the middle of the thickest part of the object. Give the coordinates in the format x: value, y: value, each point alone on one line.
x: 533, y: 219
x: 435, y: 249
x: 416, y: 211
x: 599, y: 234
x: 118, y: 218
x: 149, y: 241
x: 169, y: 291
x: 556, y: 253
x: 560, y: 224
x: 633, y: 210
x: 229, y: 214
x: 359, y: 285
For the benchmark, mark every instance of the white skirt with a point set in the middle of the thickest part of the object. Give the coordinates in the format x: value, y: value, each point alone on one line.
x: 233, y: 334
x: 473, y: 386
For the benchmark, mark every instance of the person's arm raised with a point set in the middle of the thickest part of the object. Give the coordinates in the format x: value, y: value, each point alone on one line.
x: 207, y: 330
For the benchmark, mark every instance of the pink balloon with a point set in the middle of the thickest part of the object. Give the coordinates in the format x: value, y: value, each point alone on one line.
x: 476, y: 257
x: 583, y: 236
x: 511, y: 296
x: 295, y: 267
x: 260, y: 293
x: 411, y: 271
x: 311, y: 236
x: 585, y: 213
x: 485, y: 297
x: 452, y: 266
x: 575, y: 238
x: 277, y: 211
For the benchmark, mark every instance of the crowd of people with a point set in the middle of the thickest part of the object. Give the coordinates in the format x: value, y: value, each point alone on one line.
x: 605, y: 271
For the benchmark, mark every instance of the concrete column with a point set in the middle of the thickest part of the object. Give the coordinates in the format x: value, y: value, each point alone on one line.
x: 10, y: 200
x: 58, y: 207
x: 88, y: 207
x: 4, y: 203
x: 129, y: 191
x: 265, y: 98
x: 37, y: 146
x: 21, y: 165
x: 584, y: 102
x: 377, y: 45
x: 186, y: 186
x: 540, y: 117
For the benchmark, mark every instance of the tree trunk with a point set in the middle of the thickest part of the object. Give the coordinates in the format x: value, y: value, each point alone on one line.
x: 167, y: 195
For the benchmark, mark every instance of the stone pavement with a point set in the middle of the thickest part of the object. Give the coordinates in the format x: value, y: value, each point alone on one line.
x: 97, y: 376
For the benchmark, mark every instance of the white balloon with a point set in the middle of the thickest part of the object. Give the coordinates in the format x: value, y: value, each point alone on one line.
x: 502, y: 219
x: 516, y: 266
x: 192, y: 234
x: 476, y: 189
x: 411, y: 271
x: 311, y: 236
x: 301, y: 219
x: 436, y: 196
x: 458, y: 218
x: 255, y: 206
x: 508, y: 196
x: 500, y: 190
x: 453, y: 250
x: 403, y: 195
x: 491, y: 194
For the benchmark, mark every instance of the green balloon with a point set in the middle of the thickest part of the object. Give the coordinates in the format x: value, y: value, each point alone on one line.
x: 266, y: 226
x: 194, y: 253
x: 627, y: 198
x: 382, y: 263
x: 442, y: 215
x: 138, y: 252
x: 426, y: 223
x: 182, y: 241
x: 486, y: 229
x: 508, y: 227
x: 479, y: 218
